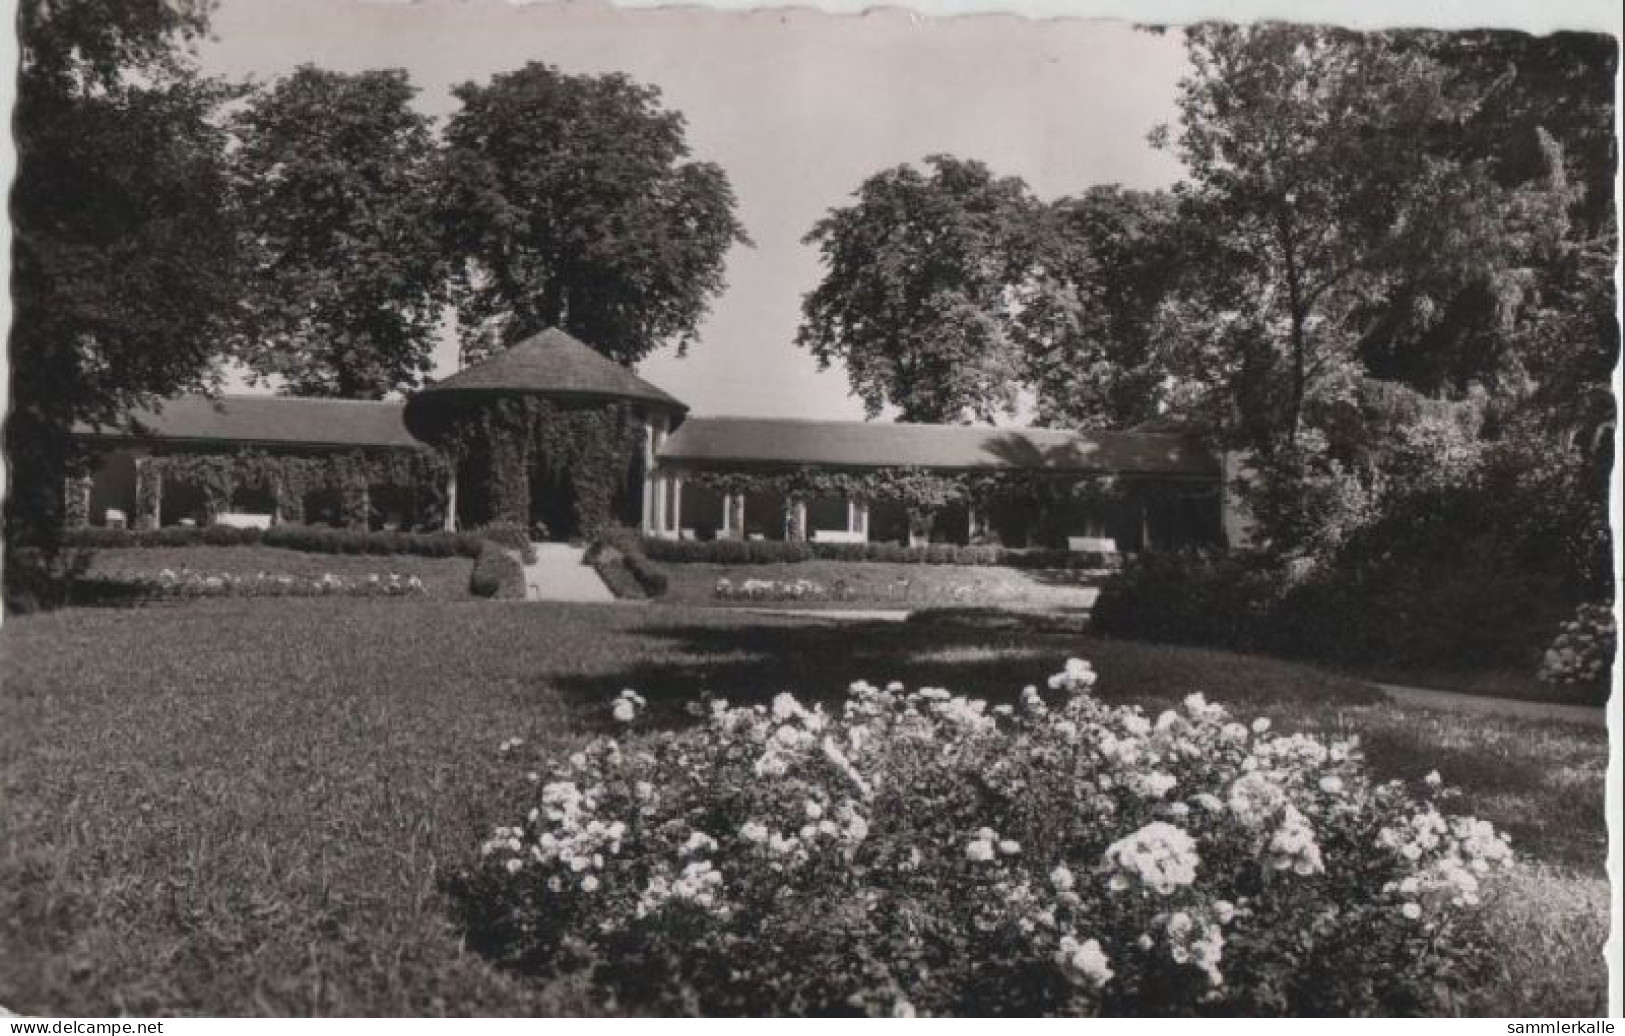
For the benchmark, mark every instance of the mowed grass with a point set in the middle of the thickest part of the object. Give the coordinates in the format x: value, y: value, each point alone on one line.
x: 247, y: 807
x: 887, y: 585
x: 445, y: 578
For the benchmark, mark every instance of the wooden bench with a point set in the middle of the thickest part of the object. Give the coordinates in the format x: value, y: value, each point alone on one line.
x: 243, y: 520
x: 833, y: 536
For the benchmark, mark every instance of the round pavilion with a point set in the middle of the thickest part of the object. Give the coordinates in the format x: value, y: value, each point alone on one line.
x: 548, y: 434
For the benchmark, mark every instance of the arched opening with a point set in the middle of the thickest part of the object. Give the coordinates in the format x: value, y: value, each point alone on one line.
x: 553, y: 511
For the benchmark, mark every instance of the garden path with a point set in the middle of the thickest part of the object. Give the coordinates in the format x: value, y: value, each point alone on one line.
x: 559, y: 574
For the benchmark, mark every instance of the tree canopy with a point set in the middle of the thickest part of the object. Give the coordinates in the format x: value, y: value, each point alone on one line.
x: 344, y: 280
x: 1102, y: 265
x: 123, y: 266
x: 567, y: 200
x: 917, y: 294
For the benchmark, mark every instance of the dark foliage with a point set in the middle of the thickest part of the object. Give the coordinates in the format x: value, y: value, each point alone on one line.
x: 497, y: 573
x: 567, y: 201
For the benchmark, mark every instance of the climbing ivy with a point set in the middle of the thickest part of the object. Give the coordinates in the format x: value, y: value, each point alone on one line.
x: 288, y: 478
x: 920, y: 491
x: 590, y: 447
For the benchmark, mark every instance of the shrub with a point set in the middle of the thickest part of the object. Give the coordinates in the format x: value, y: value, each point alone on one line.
x: 497, y: 573
x: 617, y: 555
x: 918, y: 852
x: 97, y: 537
x: 310, y: 539
x: 1187, y: 597
x: 1583, y: 651
x: 321, y: 539
x: 611, y: 566
x: 511, y: 535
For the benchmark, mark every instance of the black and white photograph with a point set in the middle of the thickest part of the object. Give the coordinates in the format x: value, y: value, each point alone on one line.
x: 567, y: 510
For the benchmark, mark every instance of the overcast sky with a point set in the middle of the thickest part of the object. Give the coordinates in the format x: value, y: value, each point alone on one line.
x: 797, y: 106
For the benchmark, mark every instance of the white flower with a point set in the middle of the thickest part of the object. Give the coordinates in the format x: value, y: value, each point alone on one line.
x: 625, y: 711
x: 589, y: 883
x: 1332, y: 784
x: 979, y: 851
x: 1009, y: 847
x: 754, y: 831
x: 1085, y: 962
x: 1062, y: 878
x: 1261, y: 724
x: 1433, y: 779
x: 1161, y: 856
x: 1411, y: 911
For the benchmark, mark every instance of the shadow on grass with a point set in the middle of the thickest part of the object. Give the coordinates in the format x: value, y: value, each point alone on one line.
x: 982, y: 653
x: 758, y: 658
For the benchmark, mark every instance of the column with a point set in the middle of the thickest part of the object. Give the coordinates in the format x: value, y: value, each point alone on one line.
x: 677, y: 506
x: 1145, y: 525
x: 799, y: 510
x: 728, y: 531
x: 647, y: 522
x: 973, y: 523
x: 861, y: 516
x: 149, y: 494
x: 448, y: 521
x: 76, y: 500
x: 739, y: 515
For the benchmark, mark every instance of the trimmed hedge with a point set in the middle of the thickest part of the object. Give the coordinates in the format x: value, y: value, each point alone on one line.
x: 497, y: 573
x: 511, y: 535
x: 617, y: 556
x: 774, y: 552
x: 311, y: 539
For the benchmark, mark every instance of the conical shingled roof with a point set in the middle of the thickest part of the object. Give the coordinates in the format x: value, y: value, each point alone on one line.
x: 552, y: 363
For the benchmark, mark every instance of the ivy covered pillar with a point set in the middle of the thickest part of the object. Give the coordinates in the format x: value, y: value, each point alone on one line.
x: 975, y: 522
x: 76, y: 499
x: 149, y: 493
x: 733, y: 515
x: 510, y: 478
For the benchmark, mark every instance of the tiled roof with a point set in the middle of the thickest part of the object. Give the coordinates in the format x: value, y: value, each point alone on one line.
x: 856, y: 444
x: 553, y: 363
x: 278, y: 420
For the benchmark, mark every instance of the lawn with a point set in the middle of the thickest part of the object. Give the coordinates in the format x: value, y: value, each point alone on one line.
x: 249, y: 806
x: 442, y: 577
x: 890, y: 585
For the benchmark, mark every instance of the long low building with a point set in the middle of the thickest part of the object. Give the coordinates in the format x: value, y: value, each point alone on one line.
x: 551, y: 434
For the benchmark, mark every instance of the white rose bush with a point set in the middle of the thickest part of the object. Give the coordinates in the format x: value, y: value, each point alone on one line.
x: 916, y: 852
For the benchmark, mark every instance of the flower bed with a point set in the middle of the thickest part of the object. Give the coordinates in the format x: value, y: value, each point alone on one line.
x: 918, y: 852
x: 774, y: 590
x: 186, y: 583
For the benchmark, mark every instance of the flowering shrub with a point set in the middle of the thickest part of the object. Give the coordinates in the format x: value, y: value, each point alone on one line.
x: 918, y: 852
x: 1583, y: 650
x: 779, y: 590
x: 187, y: 583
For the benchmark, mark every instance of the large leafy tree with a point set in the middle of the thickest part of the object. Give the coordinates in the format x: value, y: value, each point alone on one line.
x: 919, y: 292
x: 1102, y: 266
x: 568, y: 200
x: 1367, y: 229
x: 344, y: 278
x: 122, y: 245
x: 1315, y: 201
